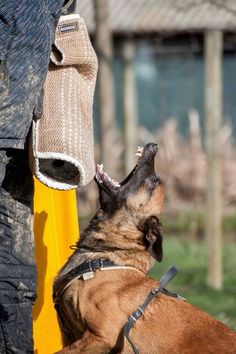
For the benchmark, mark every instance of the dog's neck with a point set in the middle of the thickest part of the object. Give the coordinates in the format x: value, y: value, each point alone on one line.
x: 101, y: 241
x: 110, y: 245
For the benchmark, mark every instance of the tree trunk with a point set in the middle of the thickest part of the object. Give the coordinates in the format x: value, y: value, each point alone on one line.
x: 105, y: 83
x: 213, y: 121
x: 130, y: 119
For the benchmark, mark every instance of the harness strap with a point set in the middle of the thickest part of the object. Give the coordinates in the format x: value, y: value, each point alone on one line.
x: 140, y: 310
x: 86, y: 270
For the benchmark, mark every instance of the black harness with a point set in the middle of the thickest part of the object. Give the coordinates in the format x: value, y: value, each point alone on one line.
x: 86, y: 270
x: 135, y: 316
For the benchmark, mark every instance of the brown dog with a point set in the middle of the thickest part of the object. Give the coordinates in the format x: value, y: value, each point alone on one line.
x: 95, y: 299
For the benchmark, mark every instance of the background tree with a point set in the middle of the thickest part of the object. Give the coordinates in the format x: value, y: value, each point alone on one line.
x: 130, y: 105
x: 213, y: 122
x: 105, y: 83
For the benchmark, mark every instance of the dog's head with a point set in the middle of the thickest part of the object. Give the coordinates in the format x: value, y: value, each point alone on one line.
x: 134, y: 205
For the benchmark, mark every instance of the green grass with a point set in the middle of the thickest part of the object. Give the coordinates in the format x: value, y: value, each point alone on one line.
x: 190, y: 257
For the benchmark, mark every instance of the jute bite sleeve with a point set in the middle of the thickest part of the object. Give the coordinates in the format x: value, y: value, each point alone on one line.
x: 62, y: 139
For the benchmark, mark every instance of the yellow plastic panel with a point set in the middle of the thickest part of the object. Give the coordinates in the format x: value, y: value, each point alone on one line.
x: 55, y: 229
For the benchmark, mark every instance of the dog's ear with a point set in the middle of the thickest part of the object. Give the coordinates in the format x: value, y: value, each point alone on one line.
x: 153, y: 237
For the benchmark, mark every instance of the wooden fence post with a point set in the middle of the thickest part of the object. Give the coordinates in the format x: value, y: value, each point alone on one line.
x: 130, y: 119
x: 213, y: 122
x: 105, y: 82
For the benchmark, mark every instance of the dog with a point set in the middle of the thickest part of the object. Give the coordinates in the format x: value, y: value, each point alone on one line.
x: 106, y: 302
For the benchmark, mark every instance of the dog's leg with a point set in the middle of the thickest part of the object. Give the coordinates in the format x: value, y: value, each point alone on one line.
x: 90, y: 344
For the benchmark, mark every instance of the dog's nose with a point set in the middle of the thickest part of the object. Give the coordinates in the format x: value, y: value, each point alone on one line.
x: 151, y: 148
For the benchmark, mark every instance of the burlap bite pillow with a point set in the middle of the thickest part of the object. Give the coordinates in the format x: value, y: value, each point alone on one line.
x: 62, y: 139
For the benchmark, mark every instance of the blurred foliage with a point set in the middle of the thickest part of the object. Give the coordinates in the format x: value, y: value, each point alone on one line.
x: 190, y: 257
x: 185, y: 223
x: 192, y: 223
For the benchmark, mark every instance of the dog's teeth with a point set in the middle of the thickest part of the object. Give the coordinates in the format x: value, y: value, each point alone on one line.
x: 116, y: 184
x: 103, y: 176
x: 139, y: 151
x: 112, y: 181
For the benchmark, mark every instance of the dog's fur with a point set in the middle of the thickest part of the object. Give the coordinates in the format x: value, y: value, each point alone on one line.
x: 127, y: 231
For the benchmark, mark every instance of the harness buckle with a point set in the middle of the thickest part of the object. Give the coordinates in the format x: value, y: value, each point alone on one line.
x: 88, y: 275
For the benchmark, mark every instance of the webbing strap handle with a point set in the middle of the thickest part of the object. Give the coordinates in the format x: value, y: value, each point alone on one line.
x: 140, y: 310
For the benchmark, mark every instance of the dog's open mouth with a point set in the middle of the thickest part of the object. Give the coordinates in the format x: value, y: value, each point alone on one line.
x: 146, y: 157
x: 102, y: 177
